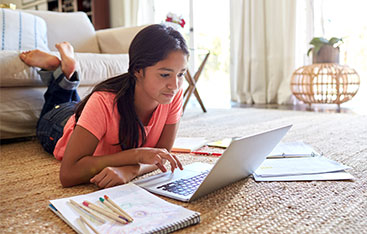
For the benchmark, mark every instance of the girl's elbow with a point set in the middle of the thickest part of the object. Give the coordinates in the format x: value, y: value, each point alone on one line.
x: 66, y: 181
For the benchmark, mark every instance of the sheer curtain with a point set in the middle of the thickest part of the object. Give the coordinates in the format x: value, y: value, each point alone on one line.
x: 263, y: 34
x: 123, y: 13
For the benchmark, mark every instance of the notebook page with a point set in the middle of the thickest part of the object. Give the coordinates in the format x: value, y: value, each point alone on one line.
x: 148, y: 211
x: 297, y: 148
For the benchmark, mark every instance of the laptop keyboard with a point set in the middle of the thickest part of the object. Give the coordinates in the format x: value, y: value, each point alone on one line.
x: 185, y: 186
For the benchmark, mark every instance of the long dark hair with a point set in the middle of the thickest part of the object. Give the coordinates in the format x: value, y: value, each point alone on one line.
x: 150, y: 45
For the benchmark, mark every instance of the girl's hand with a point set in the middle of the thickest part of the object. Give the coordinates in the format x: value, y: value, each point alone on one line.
x: 157, y: 157
x: 112, y: 176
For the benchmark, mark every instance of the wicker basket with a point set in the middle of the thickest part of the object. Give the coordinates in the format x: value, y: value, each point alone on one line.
x: 325, y: 83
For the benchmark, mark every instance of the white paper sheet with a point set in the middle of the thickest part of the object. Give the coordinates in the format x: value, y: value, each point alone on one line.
x: 298, y: 166
x: 296, y: 149
x: 339, y: 175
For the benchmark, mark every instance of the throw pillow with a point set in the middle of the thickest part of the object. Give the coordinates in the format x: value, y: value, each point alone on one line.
x: 22, y: 31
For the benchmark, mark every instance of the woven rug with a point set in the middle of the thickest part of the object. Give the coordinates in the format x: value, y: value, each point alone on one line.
x: 29, y: 178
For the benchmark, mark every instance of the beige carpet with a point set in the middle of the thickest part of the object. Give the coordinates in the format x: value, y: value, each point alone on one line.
x: 29, y: 178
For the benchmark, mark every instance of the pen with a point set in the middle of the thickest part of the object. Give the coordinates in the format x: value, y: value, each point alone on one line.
x: 206, y: 153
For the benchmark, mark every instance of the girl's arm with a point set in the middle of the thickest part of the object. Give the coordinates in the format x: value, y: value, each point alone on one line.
x: 79, y: 166
x: 168, y: 136
x: 111, y: 176
x: 166, y: 142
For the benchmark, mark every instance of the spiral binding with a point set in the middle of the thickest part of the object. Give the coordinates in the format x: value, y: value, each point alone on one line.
x: 191, y: 220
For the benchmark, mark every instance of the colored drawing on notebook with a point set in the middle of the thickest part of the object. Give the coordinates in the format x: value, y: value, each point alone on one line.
x: 145, y: 213
x: 149, y: 212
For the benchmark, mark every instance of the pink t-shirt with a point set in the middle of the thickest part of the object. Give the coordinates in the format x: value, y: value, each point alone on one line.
x: 100, y: 117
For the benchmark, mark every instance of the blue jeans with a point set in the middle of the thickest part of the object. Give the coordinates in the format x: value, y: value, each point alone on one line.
x: 61, y: 98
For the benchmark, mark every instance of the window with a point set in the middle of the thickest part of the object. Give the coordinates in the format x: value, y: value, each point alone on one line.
x: 210, y: 22
x: 346, y: 19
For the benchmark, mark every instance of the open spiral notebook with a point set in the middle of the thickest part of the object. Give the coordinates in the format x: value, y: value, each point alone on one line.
x: 150, y: 213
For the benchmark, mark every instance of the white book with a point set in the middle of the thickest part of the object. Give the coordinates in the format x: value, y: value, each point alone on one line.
x: 188, y: 144
x: 293, y: 149
x: 149, y: 212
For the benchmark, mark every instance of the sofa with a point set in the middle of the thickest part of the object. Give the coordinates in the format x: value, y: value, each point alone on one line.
x: 101, y: 54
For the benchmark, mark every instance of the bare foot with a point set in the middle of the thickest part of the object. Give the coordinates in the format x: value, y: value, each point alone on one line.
x: 68, y: 62
x: 38, y: 58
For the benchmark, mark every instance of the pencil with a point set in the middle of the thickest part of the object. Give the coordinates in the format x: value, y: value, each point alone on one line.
x: 118, y: 207
x: 114, y: 209
x: 86, y: 214
x: 89, y: 224
x: 82, y: 226
x: 206, y: 153
x: 113, y: 216
x: 89, y: 211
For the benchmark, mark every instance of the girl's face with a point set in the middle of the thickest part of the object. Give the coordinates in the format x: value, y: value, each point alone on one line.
x: 162, y: 81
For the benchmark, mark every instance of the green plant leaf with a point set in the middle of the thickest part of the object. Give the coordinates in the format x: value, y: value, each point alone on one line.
x: 318, y: 40
x: 309, y: 51
x: 317, y: 48
x: 335, y: 40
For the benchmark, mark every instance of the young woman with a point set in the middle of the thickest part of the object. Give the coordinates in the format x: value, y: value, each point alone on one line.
x: 127, y: 125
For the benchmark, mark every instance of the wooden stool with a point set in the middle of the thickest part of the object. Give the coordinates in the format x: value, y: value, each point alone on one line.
x: 192, y: 84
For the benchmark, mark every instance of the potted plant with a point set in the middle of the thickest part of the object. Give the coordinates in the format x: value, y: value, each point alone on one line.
x: 325, y: 51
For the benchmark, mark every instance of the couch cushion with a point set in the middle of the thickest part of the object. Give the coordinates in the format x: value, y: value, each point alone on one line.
x: 74, y: 27
x: 15, y: 73
x: 20, y: 108
x: 93, y: 68
x: 117, y: 40
x: 22, y: 31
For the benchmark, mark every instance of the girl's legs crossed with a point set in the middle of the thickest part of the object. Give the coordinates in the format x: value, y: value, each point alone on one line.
x: 60, y: 89
x: 61, y: 95
x: 60, y: 76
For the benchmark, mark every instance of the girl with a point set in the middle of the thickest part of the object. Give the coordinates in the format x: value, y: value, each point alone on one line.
x: 127, y: 125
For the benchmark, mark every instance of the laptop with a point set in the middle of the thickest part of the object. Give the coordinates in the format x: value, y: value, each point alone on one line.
x: 242, y: 157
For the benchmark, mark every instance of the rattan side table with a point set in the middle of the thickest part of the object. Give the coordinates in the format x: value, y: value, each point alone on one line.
x: 330, y: 83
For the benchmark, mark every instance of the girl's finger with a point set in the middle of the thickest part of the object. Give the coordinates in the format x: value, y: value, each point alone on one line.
x: 172, y: 161
x: 92, y: 180
x: 178, y: 161
x: 110, y: 184
x: 98, y: 177
x: 161, y: 167
x: 103, y: 182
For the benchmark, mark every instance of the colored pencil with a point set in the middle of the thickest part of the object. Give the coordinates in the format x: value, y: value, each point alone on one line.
x: 91, y: 212
x: 109, y: 214
x: 206, y: 153
x: 113, y: 209
x: 118, y: 207
x: 82, y: 226
x: 89, y: 224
